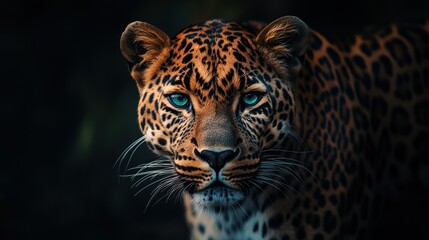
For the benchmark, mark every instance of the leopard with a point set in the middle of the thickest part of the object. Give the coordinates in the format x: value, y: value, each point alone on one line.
x: 275, y: 131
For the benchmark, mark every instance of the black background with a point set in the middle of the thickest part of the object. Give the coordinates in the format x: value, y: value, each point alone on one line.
x: 68, y: 107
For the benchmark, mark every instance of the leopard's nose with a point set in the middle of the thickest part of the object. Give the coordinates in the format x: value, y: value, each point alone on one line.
x: 217, y: 159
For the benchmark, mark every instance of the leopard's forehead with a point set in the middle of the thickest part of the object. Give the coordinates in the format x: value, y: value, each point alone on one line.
x: 215, y: 59
x: 214, y: 31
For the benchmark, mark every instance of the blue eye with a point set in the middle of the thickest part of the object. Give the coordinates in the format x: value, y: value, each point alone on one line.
x: 251, y: 99
x: 179, y: 100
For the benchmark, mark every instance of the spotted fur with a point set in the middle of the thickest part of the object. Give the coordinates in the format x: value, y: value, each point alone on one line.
x: 335, y: 124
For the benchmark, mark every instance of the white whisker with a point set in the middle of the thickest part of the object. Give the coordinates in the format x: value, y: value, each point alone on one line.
x: 278, y: 162
x: 257, y: 185
x: 269, y: 183
x: 133, y: 146
x: 285, y: 150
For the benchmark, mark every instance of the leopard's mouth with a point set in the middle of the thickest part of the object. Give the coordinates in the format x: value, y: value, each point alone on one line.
x: 218, y: 194
x: 218, y: 186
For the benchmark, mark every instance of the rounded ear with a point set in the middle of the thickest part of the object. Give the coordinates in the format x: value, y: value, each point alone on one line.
x: 140, y: 44
x: 286, y: 39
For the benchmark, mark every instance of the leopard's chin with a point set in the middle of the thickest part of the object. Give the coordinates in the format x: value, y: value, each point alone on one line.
x: 217, y: 195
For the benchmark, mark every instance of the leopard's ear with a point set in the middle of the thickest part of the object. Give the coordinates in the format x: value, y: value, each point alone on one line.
x: 141, y: 43
x: 285, y: 41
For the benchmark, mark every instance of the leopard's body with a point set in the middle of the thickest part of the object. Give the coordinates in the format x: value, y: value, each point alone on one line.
x: 275, y: 132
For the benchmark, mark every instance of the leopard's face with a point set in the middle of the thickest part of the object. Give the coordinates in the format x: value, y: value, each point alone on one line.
x: 214, y: 99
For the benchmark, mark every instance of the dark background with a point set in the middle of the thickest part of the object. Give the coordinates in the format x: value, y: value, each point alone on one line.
x: 68, y: 107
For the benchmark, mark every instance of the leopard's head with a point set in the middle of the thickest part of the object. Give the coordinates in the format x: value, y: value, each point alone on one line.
x: 214, y: 98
